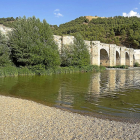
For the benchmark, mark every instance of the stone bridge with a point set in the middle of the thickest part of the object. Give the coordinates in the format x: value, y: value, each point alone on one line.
x: 104, y: 54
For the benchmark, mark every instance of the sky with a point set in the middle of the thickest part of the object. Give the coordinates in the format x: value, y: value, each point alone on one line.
x: 57, y: 12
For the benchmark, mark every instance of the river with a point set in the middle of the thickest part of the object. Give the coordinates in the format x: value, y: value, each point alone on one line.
x: 111, y: 92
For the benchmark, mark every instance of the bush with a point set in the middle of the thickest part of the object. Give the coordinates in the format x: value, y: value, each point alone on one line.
x: 136, y: 64
x: 119, y: 66
x: 25, y: 71
x: 8, y: 71
x: 37, y: 69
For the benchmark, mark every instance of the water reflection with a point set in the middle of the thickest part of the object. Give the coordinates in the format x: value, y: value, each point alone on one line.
x: 113, y: 92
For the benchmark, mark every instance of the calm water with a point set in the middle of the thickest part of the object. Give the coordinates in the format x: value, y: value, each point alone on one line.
x: 112, y: 92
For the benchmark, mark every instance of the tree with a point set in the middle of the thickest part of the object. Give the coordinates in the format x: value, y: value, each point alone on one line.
x: 76, y: 54
x: 4, y: 51
x: 112, y: 34
x: 116, y: 40
x: 81, y: 54
x: 123, y: 34
x: 32, y: 43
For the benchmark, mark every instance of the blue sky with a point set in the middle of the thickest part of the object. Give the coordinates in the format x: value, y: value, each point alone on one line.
x: 61, y: 11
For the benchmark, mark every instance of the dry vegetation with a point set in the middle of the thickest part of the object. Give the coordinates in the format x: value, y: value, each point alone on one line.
x: 92, y: 17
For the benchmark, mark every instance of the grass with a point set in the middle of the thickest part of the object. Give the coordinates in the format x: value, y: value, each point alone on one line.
x: 15, y: 71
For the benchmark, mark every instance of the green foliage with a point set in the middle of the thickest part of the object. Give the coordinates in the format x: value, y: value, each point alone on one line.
x: 7, y: 21
x: 4, y: 51
x: 40, y: 70
x: 76, y: 54
x: 25, y: 71
x: 136, y: 64
x: 37, y: 69
x: 119, y: 66
x: 8, y: 71
x: 94, y: 68
x: 32, y: 43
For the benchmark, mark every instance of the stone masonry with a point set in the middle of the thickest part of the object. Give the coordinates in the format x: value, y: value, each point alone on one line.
x: 104, y: 54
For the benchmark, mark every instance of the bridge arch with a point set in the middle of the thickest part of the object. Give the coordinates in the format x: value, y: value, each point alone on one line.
x: 117, y: 58
x: 127, y: 59
x: 104, y: 57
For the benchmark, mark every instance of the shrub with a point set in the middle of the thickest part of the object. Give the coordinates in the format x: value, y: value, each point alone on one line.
x: 37, y: 69
x: 136, y: 64
x: 25, y: 71
x: 8, y: 71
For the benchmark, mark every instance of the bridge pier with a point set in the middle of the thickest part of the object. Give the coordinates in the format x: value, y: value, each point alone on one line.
x: 95, y: 53
x: 131, y: 53
x: 122, y: 55
x: 112, y: 55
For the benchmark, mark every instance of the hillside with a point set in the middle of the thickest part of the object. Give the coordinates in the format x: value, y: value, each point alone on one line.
x: 92, y: 17
x: 4, y: 29
x: 119, y: 30
x: 7, y: 21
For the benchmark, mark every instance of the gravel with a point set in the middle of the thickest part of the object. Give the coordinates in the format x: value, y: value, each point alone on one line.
x: 26, y: 120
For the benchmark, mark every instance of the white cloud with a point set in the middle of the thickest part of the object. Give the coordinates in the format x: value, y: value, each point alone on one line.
x: 136, y: 8
x: 58, y: 15
x: 131, y: 14
x: 56, y: 10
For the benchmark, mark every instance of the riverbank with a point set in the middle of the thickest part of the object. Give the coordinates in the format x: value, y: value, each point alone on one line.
x: 23, y: 119
x: 15, y: 71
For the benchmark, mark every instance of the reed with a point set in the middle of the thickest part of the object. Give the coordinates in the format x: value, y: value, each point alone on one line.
x: 15, y: 71
x: 8, y: 71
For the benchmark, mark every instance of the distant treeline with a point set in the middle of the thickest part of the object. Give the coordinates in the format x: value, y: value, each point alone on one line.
x: 8, y: 21
x: 123, y: 31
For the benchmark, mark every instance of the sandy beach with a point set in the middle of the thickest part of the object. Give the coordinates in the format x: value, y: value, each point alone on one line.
x: 26, y: 120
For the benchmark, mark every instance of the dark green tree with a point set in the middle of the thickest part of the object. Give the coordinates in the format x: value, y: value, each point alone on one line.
x: 81, y: 53
x: 4, y: 51
x: 32, y: 43
x: 76, y: 54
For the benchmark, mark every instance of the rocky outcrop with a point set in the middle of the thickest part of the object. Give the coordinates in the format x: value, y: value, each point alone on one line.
x: 4, y: 30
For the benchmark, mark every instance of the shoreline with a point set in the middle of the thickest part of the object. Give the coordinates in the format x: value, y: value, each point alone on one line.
x: 103, y: 116
x: 24, y: 119
x: 129, y: 68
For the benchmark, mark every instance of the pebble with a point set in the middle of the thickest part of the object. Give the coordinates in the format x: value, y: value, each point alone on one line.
x: 26, y: 120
